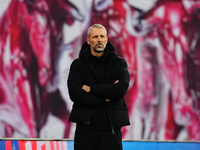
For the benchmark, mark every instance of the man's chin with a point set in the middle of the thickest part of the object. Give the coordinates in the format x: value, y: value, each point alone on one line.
x: 99, y: 50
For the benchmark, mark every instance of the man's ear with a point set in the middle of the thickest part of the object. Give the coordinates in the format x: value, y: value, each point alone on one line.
x: 88, y: 40
x: 107, y: 40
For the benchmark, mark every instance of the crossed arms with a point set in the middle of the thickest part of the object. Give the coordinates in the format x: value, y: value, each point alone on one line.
x: 87, y: 89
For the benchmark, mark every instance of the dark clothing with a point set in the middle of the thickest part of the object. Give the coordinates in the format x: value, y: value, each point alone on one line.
x: 100, y: 118
x: 88, y: 139
x: 99, y: 73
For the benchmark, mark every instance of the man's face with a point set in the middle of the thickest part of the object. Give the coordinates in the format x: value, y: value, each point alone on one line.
x: 97, y: 39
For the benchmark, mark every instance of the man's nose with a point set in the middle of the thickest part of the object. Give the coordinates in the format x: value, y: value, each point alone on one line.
x: 99, y: 38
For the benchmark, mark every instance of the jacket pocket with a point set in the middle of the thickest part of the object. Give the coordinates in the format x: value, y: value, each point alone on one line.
x: 81, y: 114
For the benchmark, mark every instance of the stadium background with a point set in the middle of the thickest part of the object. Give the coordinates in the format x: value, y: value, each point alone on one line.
x: 160, y: 40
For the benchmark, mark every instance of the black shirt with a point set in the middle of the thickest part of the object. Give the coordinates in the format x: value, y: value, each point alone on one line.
x: 100, y: 119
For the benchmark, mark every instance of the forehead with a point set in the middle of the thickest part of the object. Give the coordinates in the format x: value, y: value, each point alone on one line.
x: 97, y: 31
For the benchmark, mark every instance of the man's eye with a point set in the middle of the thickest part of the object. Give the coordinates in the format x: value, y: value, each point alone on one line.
x: 101, y: 36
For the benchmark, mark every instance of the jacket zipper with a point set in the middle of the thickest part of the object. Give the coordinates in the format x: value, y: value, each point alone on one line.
x: 112, y: 127
x: 89, y: 117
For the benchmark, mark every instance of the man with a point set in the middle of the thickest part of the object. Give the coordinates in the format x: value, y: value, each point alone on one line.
x: 97, y: 83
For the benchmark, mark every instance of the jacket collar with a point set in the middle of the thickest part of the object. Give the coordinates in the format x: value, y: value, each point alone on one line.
x: 108, y: 55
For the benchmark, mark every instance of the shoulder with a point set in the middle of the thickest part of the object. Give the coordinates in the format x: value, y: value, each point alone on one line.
x: 79, y: 64
x: 120, y: 61
x: 75, y: 62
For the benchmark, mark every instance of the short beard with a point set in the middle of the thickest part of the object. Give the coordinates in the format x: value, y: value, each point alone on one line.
x: 99, y: 50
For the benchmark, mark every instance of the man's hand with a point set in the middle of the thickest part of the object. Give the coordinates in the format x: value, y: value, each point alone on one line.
x: 116, y: 82
x: 86, y: 88
x: 108, y: 100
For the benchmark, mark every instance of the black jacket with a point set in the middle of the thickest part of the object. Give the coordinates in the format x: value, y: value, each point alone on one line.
x: 82, y: 72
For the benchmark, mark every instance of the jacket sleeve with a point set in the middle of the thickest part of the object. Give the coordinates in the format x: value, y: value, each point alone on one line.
x: 76, y: 93
x: 114, y: 91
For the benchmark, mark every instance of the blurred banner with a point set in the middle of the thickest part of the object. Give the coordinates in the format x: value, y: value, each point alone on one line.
x: 35, y: 145
x: 160, y: 40
x: 68, y: 145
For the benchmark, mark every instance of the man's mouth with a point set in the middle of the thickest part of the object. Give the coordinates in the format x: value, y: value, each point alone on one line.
x: 99, y: 45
